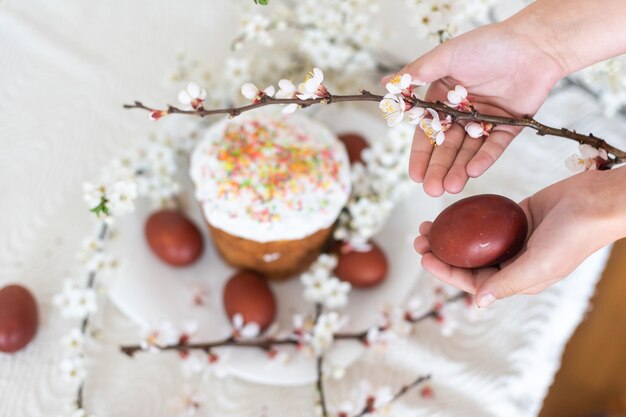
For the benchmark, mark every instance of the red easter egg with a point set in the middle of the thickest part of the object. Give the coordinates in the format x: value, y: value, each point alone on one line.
x: 478, y: 231
x: 173, y: 237
x: 248, y: 294
x: 19, y: 318
x: 362, y: 269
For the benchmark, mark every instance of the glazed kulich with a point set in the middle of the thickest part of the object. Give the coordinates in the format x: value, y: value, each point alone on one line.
x: 271, y: 187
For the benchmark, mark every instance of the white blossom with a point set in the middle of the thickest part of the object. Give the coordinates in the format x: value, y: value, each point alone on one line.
x: 394, y: 107
x: 75, y: 301
x: 324, y: 330
x: 121, y: 197
x: 478, y: 130
x: 73, y: 369
x: 74, y: 341
x: 255, y: 27
x: 457, y: 96
x: 312, y: 87
x: 193, y: 95
x: 93, y: 194
x: 588, y: 158
x: 434, y: 127
x: 244, y: 330
x: 153, y: 338
x: 252, y: 92
x: 286, y: 89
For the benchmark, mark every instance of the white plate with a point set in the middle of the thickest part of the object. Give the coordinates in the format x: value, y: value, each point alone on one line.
x: 149, y: 292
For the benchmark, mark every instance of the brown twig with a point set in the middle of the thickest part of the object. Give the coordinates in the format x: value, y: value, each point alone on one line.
x: 402, y: 391
x: 268, y: 343
x: 617, y: 156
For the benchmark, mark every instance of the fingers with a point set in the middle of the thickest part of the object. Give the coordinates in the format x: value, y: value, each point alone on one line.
x: 521, y: 275
x: 421, y: 243
x: 492, y: 148
x: 462, y: 279
x: 441, y: 160
x: 421, y: 149
x: 457, y: 176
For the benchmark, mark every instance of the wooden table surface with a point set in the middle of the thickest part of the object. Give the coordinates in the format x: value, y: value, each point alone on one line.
x: 592, y: 378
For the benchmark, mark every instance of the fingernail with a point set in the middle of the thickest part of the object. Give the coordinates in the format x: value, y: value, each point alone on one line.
x: 486, y: 300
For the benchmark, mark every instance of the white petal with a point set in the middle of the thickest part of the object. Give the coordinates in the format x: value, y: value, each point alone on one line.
x: 461, y: 91
x: 475, y: 130
x: 291, y: 108
x: 393, y: 88
x: 573, y: 163
x: 311, y: 85
x: 250, y: 330
x: 588, y: 151
x: 405, y: 81
x: 305, y: 96
x: 602, y: 154
x: 454, y: 98
x: 237, y: 321
x: 193, y: 89
x: 249, y: 91
x: 394, y: 118
x: 440, y: 138
x: 286, y: 86
x: 416, y: 114
x: 318, y: 75
x: 270, y: 91
x: 184, y: 97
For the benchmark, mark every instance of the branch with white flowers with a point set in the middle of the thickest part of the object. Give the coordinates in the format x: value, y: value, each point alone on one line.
x: 400, y: 101
x: 294, y: 339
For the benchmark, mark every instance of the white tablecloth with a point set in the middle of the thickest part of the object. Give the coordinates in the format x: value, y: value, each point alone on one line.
x: 66, y: 68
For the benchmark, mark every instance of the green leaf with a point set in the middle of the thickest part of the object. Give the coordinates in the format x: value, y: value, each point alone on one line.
x: 101, y: 208
x: 262, y: 2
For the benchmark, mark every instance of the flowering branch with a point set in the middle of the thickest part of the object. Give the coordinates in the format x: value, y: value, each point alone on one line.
x: 618, y: 156
x: 368, y: 409
x: 91, y: 281
x: 268, y: 344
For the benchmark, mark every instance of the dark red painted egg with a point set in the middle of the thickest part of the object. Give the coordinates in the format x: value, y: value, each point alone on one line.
x: 248, y: 294
x: 478, y: 231
x: 354, y: 144
x: 173, y: 237
x: 19, y: 318
x: 362, y: 269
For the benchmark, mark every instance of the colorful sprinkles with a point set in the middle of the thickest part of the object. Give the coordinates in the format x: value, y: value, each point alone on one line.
x: 259, y: 166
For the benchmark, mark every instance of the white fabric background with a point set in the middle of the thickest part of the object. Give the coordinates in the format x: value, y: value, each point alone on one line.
x: 66, y: 68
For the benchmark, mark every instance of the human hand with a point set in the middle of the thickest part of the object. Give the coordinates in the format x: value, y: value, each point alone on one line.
x: 506, y: 74
x: 567, y: 222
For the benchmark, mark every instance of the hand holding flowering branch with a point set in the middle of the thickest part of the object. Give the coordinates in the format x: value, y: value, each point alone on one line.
x: 400, y: 101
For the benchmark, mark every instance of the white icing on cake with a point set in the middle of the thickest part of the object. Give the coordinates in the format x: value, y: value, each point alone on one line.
x: 266, y: 176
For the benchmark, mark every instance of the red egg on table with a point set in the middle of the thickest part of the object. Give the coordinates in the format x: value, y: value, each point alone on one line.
x: 248, y: 294
x: 173, y: 237
x: 362, y: 268
x: 19, y: 318
x: 478, y: 231
x: 355, y: 144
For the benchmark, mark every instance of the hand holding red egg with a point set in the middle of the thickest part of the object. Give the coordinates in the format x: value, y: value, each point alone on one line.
x: 567, y: 222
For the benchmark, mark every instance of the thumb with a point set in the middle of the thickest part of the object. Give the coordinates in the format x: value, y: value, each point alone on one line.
x: 429, y: 67
x: 514, y: 278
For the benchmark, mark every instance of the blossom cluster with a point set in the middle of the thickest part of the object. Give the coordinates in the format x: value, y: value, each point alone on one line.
x: 587, y: 159
x: 442, y: 19
x: 147, y: 171
x: 377, y: 186
x: 335, y: 35
x: 400, y: 102
x: 321, y: 287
